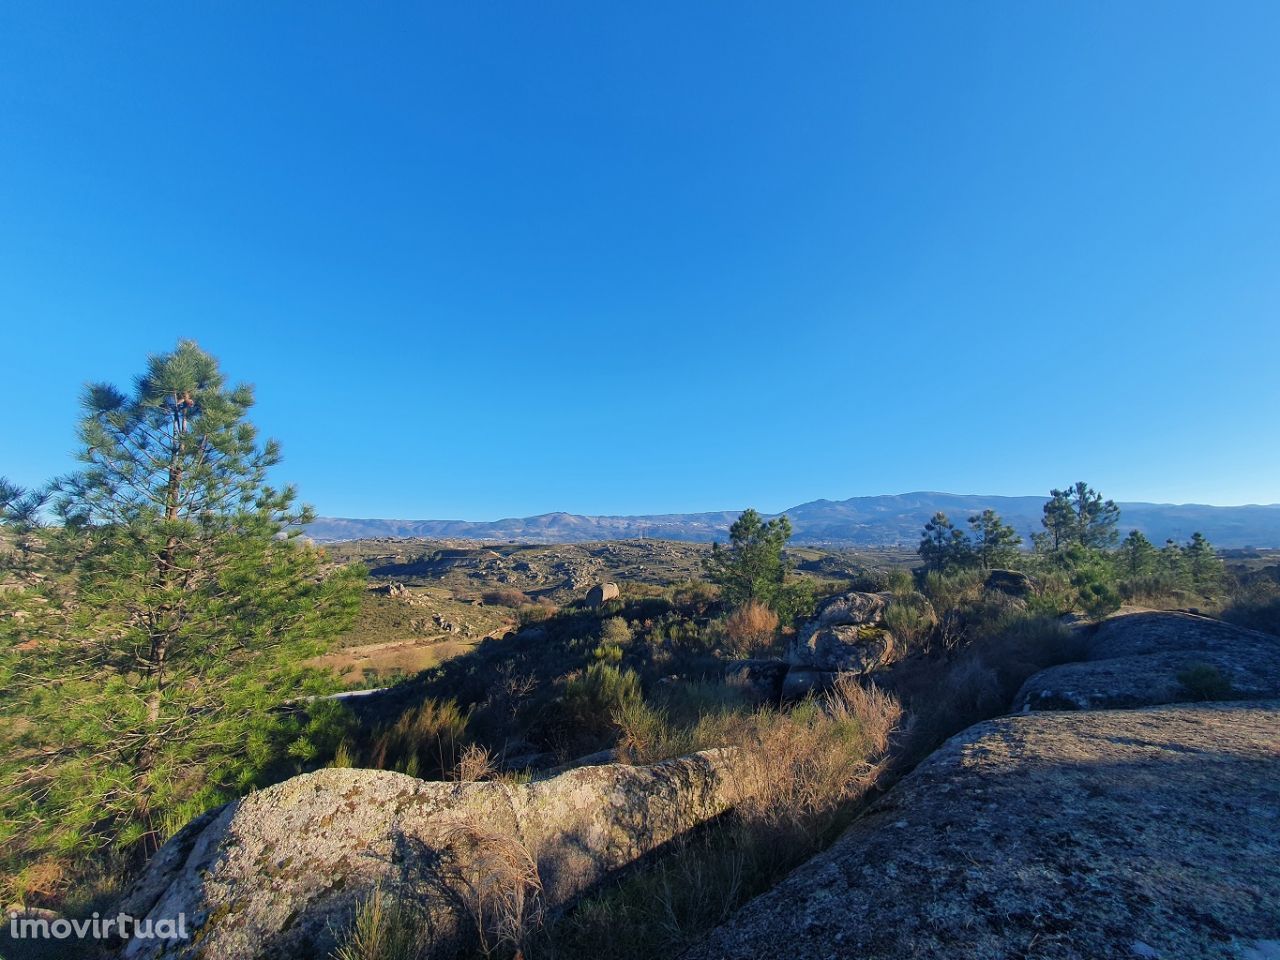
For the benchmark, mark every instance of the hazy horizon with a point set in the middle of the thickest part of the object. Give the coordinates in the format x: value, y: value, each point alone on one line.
x: 772, y: 511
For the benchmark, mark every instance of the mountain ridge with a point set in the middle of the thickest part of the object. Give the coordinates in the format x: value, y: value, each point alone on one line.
x: 884, y: 520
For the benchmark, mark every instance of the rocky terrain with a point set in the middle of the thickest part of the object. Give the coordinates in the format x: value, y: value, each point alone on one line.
x: 1067, y: 831
x: 1148, y: 658
x: 1149, y: 833
x: 557, y: 573
x: 468, y: 570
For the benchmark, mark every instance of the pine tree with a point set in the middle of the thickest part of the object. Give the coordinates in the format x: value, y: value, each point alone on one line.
x: 994, y: 541
x: 1205, y: 568
x: 1137, y: 556
x: 1172, y: 565
x: 179, y: 606
x: 752, y: 567
x: 1059, y: 523
x: 944, y: 546
x: 1078, y: 515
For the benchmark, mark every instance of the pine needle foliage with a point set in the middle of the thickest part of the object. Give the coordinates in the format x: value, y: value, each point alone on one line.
x: 146, y: 666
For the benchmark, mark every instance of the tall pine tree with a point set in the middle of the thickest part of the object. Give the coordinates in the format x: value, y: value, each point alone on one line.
x: 179, y: 604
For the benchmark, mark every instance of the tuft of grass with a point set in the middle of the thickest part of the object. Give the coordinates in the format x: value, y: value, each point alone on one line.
x: 384, y: 929
x: 426, y: 740
x: 500, y: 889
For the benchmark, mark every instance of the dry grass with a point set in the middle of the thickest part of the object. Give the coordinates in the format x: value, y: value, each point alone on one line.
x: 500, y: 888
x: 505, y: 597
x: 475, y: 763
x: 797, y: 769
x: 427, y: 740
x: 797, y: 778
x: 750, y: 629
x: 380, y: 662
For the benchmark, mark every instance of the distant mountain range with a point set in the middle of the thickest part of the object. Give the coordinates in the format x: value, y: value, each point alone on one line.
x: 856, y: 522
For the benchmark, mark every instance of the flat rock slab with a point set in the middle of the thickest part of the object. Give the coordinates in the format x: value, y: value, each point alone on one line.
x: 1135, y: 660
x: 1144, y: 833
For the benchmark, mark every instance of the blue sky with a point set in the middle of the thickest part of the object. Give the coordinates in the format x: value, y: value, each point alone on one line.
x: 488, y: 259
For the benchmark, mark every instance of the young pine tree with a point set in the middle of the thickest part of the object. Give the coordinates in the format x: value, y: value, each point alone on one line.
x: 995, y: 543
x: 752, y: 567
x: 1137, y: 557
x: 944, y: 546
x: 1171, y: 566
x: 184, y: 605
x: 1204, y: 566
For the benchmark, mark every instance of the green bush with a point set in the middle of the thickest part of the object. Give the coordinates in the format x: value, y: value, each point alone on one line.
x: 594, y: 699
x: 1204, y: 681
x: 910, y: 618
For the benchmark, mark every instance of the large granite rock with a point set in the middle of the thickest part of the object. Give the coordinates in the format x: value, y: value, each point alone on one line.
x: 1138, y: 659
x: 1151, y: 833
x: 846, y: 635
x: 279, y: 873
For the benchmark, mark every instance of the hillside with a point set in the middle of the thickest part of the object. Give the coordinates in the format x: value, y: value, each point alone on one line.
x: 858, y: 521
x: 1148, y: 832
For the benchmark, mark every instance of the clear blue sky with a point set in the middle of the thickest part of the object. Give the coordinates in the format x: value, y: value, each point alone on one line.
x: 492, y: 259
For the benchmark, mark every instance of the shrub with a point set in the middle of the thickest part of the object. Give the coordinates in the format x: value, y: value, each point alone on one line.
x: 1256, y: 606
x: 694, y: 597
x: 533, y: 613
x: 426, y: 740
x: 1204, y: 681
x: 950, y: 590
x: 910, y: 618
x: 614, y: 632
x: 750, y: 629
x: 505, y: 597
x: 593, y: 699
x: 1096, y: 590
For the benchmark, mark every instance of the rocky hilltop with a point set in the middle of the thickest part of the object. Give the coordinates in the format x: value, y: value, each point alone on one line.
x: 1148, y: 833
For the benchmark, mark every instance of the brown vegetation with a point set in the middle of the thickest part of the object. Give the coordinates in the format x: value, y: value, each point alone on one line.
x: 751, y: 629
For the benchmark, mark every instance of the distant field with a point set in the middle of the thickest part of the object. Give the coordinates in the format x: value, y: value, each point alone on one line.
x: 395, y: 636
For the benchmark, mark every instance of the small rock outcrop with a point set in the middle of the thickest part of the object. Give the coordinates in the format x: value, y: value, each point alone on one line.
x: 1143, y: 659
x: 1148, y: 833
x: 846, y: 634
x: 279, y: 873
x: 601, y: 593
x: 1012, y: 583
